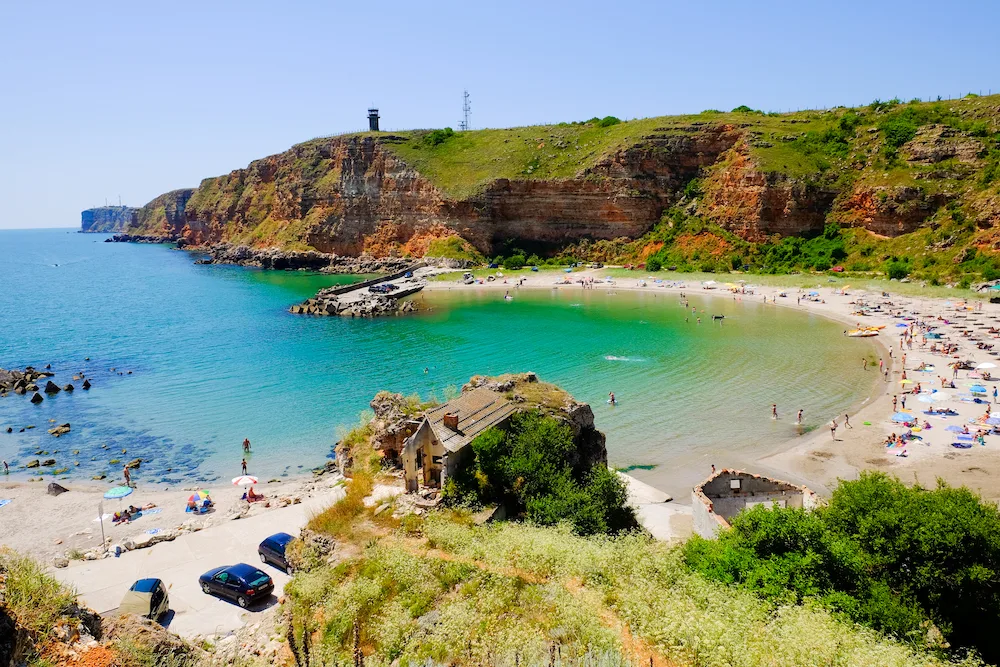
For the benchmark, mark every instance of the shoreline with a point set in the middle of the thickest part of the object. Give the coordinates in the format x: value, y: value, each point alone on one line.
x: 814, y: 458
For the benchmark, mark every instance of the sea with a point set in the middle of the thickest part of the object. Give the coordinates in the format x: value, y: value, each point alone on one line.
x: 187, y: 360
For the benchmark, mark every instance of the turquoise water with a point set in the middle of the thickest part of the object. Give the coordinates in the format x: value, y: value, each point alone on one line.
x: 215, y: 357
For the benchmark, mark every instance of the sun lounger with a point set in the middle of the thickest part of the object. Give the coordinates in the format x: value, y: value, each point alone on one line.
x: 962, y: 445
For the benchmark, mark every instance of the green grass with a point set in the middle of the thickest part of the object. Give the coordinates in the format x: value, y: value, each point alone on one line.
x: 506, y: 594
x: 35, y: 599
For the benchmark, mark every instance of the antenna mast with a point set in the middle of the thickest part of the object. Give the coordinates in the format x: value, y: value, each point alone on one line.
x: 466, y: 111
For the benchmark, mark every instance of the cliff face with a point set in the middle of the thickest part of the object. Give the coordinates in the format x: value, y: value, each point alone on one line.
x: 887, y: 169
x: 107, y: 219
x: 354, y: 194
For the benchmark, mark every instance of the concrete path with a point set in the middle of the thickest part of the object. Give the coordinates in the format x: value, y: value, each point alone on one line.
x: 102, y: 583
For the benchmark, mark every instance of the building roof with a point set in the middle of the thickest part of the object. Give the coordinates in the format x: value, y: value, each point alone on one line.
x: 477, y: 410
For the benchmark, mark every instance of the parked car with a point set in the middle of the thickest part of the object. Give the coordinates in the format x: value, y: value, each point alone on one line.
x: 241, y: 582
x: 272, y: 550
x: 146, y: 597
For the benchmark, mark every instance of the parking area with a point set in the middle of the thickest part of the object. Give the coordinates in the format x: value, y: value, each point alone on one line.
x: 102, y: 583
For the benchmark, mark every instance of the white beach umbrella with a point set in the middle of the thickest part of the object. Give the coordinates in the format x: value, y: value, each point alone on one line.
x: 986, y: 364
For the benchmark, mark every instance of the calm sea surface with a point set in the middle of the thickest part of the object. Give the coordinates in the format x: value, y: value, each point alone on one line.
x: 215, y: 357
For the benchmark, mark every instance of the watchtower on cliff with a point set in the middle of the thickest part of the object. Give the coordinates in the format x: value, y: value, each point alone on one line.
x: 373, y: 120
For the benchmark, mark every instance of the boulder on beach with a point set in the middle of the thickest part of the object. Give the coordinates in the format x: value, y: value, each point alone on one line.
x: 55, y: 489
x: 37, y: 398
x: 51, y: 387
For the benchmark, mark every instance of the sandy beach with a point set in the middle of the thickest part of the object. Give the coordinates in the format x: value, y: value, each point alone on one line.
x: 817, y: 459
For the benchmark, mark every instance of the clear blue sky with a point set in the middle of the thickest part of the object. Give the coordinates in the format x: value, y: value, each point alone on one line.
x: 101, y: 99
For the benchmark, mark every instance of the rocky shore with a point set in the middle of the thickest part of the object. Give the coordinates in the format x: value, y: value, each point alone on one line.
x: 144, y: 238
x: 291, y: 260
x: 374, y: 305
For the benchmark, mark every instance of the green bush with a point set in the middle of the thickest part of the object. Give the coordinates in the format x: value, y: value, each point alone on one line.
x: 897, y: 270
x: 888, y: 556
x: 514, y: 262
x: 654, y: 264
x: 527, y: 467
x: 608, y: 121
x: 438, y: 137
x: 897, y: 131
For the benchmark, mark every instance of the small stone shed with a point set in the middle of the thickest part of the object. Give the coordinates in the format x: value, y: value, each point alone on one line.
x: 726, y: 493
x: 440, y: 443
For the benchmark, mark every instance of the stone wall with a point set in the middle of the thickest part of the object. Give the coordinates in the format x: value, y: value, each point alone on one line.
x: 714, y: 501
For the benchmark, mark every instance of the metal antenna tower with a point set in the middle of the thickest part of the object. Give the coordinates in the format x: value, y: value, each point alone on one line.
x: 466, y: 111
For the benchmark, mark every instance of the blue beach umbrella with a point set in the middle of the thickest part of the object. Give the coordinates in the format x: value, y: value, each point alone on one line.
x: 118, y: 492
x: 978, y: 387
x: 901, y: 325
x: 953, y: 428
x: 903, y: 417
x: 993, y: 421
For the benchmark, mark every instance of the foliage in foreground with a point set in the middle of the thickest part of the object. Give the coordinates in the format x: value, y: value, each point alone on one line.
x: 886, y: 555
x: 528, y: 468
x: 508, y: 594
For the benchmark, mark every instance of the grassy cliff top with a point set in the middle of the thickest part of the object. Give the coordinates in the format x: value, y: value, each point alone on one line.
x: 798, y: 144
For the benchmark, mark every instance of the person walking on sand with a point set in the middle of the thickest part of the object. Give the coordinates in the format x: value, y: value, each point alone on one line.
x: 847, y: 421
x: 833, y: 429
x: 713, y: 468
x: 902, y: 401
x: 994, y: 393
x: 774, y: 411
x: 128, y: 475
x: 894, y: 401
x: 244, y: 466
x: 246, y: 445
x: 864, y: 363
x: 880, y: 365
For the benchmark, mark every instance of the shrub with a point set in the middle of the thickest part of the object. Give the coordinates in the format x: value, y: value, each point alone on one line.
x: 438, y: 137
x: 896, y: 270
x: 745, y: 109
x: 528, y: 468
x: 608, y: 121
x: 888, y: 556
x: 654, y: 264
x: 897, y: 131
x: 514, y: 262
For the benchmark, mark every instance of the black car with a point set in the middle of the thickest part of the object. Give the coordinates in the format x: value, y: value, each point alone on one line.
x: 272, y: 550
x: 241, y: 582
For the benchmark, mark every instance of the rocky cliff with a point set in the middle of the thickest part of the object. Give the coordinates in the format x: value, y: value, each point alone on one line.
x: 108, y: 219
x: 888, y: 169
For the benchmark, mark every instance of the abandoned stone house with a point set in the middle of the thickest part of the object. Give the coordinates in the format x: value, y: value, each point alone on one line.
x: 726, y: 493
x: 440, y: 443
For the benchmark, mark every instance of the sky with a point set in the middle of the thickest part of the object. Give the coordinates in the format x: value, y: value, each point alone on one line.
x: 132, y: 99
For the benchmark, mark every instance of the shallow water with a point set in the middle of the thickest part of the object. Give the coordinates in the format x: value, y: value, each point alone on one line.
x: 215, y: 357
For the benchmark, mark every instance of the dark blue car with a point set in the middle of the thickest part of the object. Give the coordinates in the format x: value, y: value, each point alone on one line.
x: 272, y: 550
x: 241, y: 582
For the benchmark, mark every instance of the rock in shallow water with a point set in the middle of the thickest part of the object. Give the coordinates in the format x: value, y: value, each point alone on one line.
x: 37, y: 398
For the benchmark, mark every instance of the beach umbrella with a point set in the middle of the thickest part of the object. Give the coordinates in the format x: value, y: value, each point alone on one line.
x: 933, y: 398
x: 118, y: 492
x: 978, y: 388
x: 986, y: 364
x: 902, y: 417
x: 198, y: 497
x: 906, y: 382
x: 953, y: 428
x: 993, y: 421
x: 902, y: 325
x: 814, y: 293
x: 244, y: 480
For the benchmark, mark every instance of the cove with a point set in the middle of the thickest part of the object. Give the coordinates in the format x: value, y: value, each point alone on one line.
x: 215, y: 357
